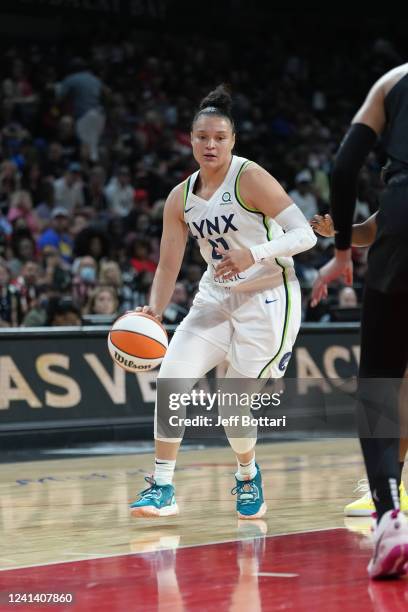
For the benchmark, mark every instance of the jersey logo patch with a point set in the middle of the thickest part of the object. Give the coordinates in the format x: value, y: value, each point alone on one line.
x: 270, y: 301
x: 186, y: 210
x: 226, y: 198
x: 284, y: 361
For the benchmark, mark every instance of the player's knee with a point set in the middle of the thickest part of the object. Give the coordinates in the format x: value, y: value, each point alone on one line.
x: 241, y: 445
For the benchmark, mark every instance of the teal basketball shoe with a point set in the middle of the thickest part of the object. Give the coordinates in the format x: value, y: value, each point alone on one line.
x: 156, y: 500
x: 250, y: 500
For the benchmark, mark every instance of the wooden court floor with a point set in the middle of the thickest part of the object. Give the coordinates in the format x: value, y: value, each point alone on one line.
x: 75, y: 509
x: 65, y: 530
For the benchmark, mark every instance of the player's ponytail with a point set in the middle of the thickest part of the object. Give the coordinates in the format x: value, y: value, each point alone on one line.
x: 218, y: 102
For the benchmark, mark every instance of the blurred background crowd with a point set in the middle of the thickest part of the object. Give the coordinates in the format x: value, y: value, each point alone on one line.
x: 93, y: 137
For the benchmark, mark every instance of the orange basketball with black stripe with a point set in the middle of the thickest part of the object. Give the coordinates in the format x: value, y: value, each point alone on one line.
x: 137, y: 342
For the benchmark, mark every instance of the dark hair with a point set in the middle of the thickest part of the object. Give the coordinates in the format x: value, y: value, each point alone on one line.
x: 83, y: 241
x: 16, y: 239
x: 219, y: 103
x: 60, y: 306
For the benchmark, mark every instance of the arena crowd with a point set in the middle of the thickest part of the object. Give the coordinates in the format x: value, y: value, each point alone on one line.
x: 93, y: 139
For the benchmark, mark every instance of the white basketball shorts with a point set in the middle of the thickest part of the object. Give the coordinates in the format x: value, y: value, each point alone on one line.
x: 256, y: 329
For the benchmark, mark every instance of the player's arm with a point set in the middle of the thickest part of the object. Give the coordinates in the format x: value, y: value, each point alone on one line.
x: 362, y: 234
x: 357, y: 143
x: 263, y: 194
x: 361, y: 136
x: 172, y: 247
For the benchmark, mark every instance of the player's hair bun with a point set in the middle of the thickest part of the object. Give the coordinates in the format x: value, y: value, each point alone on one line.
x: 219, y: 98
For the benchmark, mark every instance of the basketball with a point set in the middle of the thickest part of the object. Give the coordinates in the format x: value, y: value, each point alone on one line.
x: 137, y: 342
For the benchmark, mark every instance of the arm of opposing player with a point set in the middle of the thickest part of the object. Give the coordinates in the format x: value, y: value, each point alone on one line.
x: 363, y: 234
x: 172, y: 247
x: 358, y: 141
x: 264, y: 194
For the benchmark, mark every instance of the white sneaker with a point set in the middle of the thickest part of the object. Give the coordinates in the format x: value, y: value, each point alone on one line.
x: 390, y: 537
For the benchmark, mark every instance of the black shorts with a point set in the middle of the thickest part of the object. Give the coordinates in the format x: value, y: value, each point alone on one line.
x: 388, y: 256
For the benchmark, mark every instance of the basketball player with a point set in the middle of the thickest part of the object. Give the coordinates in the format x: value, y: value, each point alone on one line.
x: 248, y: 307
x: 384, y: 327
x: 362, y: 235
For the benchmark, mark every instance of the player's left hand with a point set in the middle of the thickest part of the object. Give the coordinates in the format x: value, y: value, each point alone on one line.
x: 340, y: 266
x: 233, y: 262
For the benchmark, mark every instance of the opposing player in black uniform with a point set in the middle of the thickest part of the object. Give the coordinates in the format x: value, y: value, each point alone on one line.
x: 384, y: 331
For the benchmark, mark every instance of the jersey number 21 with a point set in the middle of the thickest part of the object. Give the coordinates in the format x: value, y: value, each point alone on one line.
x: 216, y: 244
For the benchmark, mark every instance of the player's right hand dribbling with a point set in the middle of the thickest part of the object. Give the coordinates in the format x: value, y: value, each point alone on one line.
x: 148, y: 310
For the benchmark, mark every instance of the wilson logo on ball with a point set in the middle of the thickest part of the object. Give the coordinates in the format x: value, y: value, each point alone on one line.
x: 137, y: 341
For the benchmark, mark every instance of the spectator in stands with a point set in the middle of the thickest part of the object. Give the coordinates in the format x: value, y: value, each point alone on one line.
x: 18, y: 90
x: 120, y: 192
x: 57, y: 235
x: 178, y: 306
x: 23, y: 249
x: 92, y: 241
x: 347, y: 298
x: 69, y: 188
x: 85, y: 271
x: 94, y: 194
x: 46, y: 206
x: 320, y: 179
x: 102, y: 301
x: 36, y: 316
x: 141, y: 200
x: 54, y: 163
x: 139, y: 269
x: 303, y: 195
x: 57, y: 272
x: 111, y: 274
x: 67, y: 138
x: 63, y: 312
x: 344, y: 309
x: 140, y: 208
x: 139, y: 256
x: 10, y: 310
x: 21, y: 207
x: 86, y: 91
x: 27, y: 284
x: 80, y: 222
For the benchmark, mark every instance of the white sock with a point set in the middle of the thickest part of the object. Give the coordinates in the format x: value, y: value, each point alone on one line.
x: 246, y: 471
x: 163, y: 471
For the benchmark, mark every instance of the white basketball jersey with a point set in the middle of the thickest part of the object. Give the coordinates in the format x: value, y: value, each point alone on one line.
x: 226, y: 221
